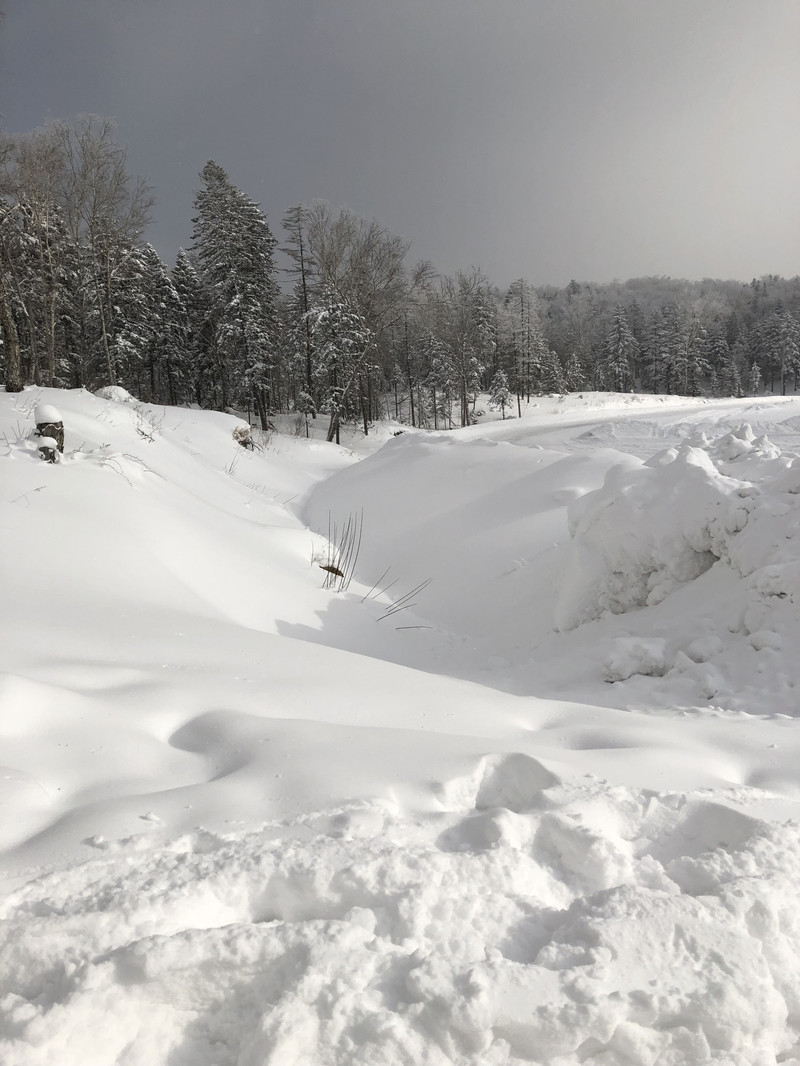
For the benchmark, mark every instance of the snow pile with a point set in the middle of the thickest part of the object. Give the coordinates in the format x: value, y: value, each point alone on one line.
x: 636, y: 655
x: 660, y: 524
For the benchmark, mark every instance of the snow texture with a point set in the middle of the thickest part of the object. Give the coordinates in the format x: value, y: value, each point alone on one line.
x: 526, y: 792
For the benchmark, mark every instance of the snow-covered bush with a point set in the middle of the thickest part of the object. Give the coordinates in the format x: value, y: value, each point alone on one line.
x: 243, y: 435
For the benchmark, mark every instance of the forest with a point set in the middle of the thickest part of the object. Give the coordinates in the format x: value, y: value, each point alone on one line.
x: 332, y: 316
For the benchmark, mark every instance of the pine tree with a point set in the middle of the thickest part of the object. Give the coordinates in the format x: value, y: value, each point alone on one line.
x: 499, y: 392
x: 755, y: 380
x: 441, y: 381
x: 783, y: 333
x: 192, y: 313
x: 530, y: 348
x: 167, y: 358
x: 551, y: 376
x: 620, y: 352
x: 718, y: 351
x: 234, y: 247
x: 725, y: 378
x: 574, y: 375
x: 695, y: 360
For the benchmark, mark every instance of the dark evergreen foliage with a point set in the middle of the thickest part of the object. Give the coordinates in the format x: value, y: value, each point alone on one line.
x: 360, y: 335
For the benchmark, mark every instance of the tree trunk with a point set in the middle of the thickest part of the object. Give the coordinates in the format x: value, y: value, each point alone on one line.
x: 112, y: 377
x: 11, y: 359
x: 50, y: 341
x: 365, y: 401
x: 260, y: 399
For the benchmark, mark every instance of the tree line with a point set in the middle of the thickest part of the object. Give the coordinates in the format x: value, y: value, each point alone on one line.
x: 349, y: 326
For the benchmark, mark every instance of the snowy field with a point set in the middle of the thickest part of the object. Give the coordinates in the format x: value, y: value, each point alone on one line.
x: 527, y: 790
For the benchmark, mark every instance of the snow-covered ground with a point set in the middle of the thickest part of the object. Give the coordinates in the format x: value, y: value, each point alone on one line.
x: 526, y: 791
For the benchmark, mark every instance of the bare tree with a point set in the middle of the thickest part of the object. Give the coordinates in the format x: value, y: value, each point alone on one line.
x: 364, y: 264
x: 105, y: 209
x: 294, y: 223
x: 38, y: 173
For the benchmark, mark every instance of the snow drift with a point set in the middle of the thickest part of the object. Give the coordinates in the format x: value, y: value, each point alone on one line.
x: 248, y: 819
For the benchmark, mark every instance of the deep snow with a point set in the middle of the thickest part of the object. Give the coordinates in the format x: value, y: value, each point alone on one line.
x: 526, y: 791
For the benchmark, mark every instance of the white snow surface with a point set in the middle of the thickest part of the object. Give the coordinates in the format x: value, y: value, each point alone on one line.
x: 526, y: 791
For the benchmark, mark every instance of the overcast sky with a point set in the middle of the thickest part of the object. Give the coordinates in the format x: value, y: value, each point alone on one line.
x: 546, y: 139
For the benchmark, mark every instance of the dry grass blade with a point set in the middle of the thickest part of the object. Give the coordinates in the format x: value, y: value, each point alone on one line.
x: 342, y: 552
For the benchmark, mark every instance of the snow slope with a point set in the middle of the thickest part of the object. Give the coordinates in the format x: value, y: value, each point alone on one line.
x: 526, y: 791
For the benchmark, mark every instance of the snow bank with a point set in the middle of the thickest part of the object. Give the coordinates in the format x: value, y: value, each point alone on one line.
x: 249, y: 820
x: 115, y: 393
x: 660, y: 524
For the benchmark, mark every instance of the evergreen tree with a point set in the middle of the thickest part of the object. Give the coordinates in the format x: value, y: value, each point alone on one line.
x: 695, y: 362
x: 621, y: 352
x: 168, y: 359
x: 718, y: 350
x: 530, y: 348
x: 574, y: 375
x: 499, y: 392
x: 551, y: 375
x: 192, y: 314
x: 783, y: 345
x: 724, y: 375
x: 442, y: 381
x: 234, y: 247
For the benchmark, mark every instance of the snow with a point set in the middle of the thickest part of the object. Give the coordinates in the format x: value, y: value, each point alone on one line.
x: 527, y: 791
x: 46, y: 412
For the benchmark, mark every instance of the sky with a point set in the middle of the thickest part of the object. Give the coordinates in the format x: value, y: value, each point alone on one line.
x: 545, y: 139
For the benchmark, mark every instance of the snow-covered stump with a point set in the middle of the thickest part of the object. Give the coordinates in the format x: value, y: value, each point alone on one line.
x: 49, y: 450
x: 49, y: 427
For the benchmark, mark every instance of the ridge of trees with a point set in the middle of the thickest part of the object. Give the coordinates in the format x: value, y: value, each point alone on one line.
x: 361, y: 334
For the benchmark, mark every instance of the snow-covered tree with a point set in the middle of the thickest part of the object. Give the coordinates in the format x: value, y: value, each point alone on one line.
x: 551, y: 376
x: 621, y: 351
x: 193, y: 318
x: 723, y: 365
x: 342, y: 340
x: 574, y: 374
x: 499, y: 393
x: 106, y: 211
x: 529, y: 346
x: 783, y: 345
x: 234, y: 247
x: 303, y: 271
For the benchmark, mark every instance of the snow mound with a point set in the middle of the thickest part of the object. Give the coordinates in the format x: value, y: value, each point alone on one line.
x: 115, y: 393
x: 636, y: 655
x: 655, y: 526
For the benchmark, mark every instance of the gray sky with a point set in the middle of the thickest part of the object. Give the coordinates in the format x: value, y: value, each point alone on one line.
x: 546, y: 139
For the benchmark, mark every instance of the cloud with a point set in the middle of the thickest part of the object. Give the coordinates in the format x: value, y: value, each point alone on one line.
x: 542, y: 139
